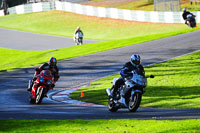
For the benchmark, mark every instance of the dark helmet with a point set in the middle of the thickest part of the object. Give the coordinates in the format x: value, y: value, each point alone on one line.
x: 52, y: 62
x: 135, y: 59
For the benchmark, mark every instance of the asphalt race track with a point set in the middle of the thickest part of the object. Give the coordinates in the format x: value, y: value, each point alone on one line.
x: 75, y: 72
x: 33, y: 41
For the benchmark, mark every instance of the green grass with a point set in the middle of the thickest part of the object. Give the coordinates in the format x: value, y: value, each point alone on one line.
x: 11, y: 59
x: 64, y: 24
x: 122, y: 126
x: 145, y: 5
x: 176, y: 85
x: 123, y: 4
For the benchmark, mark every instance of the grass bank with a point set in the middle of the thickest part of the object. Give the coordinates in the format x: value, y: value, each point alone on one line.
x: 145, y: 5
x: 63, y: 23
x: 176, y: 85
x: 126, y: 126
x: 11, y: 59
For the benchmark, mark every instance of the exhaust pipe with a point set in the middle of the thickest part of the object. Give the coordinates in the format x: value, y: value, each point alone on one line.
x: 108, y: 91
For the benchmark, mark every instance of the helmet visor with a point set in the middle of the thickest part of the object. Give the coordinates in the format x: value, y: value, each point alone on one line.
x: 136, y: 62
x: 52, y: 64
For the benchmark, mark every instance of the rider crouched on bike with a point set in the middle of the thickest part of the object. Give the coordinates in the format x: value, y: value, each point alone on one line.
x: 78, y: 31
x: 133, y: 64
x: 185, y: 14
x: 52, y: 66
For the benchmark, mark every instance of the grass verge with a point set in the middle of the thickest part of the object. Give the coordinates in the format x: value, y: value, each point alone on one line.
x: 63, y: 23
x: 145, y: 5
x: 176, y: 85
x: 11, y: 59
x: 126, y: 126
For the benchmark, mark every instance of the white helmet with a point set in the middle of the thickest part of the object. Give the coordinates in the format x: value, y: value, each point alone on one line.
x: 78, y: 28
x: 135, y: 59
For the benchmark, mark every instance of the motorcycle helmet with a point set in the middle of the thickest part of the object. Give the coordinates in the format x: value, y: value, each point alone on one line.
x: 135, y: 59
x: 78, y: 28
x: 52, y: 62
x: 185, y: 10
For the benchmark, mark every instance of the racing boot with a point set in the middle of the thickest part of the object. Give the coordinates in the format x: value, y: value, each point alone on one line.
x: 30, y: 85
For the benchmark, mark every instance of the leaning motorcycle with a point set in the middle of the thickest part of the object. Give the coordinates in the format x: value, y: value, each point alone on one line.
x: 41, y: 86
x: 191, y: 20
x: 78, y: 39
x: 130, y: 94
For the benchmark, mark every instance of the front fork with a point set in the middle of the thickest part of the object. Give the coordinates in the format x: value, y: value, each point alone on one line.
x: 34, y: 89
x: 135, y: 91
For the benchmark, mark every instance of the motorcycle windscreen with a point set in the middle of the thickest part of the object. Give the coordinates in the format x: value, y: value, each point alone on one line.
x: 47, y: 73
x: 140, y: 80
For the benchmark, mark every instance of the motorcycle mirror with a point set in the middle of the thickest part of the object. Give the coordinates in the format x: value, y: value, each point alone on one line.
x: 152, y: 76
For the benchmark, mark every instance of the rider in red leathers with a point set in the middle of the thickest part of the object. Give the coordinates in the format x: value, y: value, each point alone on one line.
x: 52, y: 66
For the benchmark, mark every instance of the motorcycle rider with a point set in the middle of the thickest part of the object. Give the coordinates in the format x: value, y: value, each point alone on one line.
x: 78, y: 31
x: 185, y: 14
x: 133, y: 64
x: 52, y: 66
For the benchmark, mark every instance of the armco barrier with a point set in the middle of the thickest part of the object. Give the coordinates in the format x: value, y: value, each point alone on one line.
x: 1, y: 13
x: 142, y: 16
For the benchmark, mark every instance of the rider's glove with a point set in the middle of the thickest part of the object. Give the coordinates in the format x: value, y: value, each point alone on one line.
x: 52, y: 86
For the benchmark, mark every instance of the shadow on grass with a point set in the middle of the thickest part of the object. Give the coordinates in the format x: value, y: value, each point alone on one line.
x: 152, y: 94
x: 45, y: 125
x: 25, y: 125
x: 147, y: 4
x: 169, y: 91
x: 92, y: 96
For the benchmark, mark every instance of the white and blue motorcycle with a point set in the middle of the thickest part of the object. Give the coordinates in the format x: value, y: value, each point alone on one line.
x: 78, y: 38
x: 128, y: 95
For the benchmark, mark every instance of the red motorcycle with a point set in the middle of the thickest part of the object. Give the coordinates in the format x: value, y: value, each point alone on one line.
x: 41, y: 86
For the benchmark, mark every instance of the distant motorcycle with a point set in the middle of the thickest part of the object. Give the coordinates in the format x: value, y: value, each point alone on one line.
x: 78, y: 38
x: 128, y: 95
x: 191, y: 20
x: 41, y: 86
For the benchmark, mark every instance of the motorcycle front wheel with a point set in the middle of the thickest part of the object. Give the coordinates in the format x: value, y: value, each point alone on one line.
x: 80, y: 41
x: 39, y: 95
x: 134, y: 102
x: 111, y: 105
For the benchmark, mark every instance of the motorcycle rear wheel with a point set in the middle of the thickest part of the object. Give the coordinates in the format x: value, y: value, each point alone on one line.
x: 111, y: 106
x: 193, y: 24
x: 134, y: 102
x: 39, y: 95
x: 31, y: 100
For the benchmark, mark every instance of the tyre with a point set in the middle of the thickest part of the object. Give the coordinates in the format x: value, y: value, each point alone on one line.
x: 111, y: 105
x: 31, y: 100
x: 79, y: 41
x: 134, y: 102
x: 193, y: 24
x: 39, y: 95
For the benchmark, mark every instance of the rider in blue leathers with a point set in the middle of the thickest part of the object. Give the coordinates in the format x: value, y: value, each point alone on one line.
x: 134, y: 63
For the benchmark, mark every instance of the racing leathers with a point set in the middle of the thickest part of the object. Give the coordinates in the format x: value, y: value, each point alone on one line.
x: 126, y: 71
x: 78, y: 32
x: 54, y: 70
x: 185, y: 14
